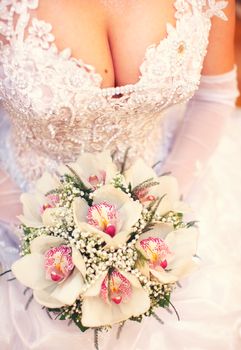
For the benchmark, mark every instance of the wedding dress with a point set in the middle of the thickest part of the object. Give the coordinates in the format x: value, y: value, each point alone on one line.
x: 54, y: 109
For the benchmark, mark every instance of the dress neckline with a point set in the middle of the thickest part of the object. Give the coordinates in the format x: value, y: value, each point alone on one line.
x: 180, y: 7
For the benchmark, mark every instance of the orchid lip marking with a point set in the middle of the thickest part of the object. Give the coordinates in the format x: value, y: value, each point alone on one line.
x: 156, y: 250
x: 103, y: 216
x: 144, y: 196
x: 58, y: 263
x: 116, y: 288
x: 53, y: 198
x: 96, y: 180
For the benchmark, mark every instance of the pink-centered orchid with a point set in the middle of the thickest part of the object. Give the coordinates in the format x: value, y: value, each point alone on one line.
x: 168, y: 254
x: 53, y: 270
x: 111, y: 215
x: 149, y: 188
x: 40, y: 208
x: 94, y: 169
x: 115, y: 297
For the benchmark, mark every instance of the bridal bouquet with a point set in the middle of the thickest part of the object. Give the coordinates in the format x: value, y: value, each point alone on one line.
x: 101, y: 246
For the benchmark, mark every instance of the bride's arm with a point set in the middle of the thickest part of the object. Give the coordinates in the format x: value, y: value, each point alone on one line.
x: 209, y: 109
x: 10, y: 205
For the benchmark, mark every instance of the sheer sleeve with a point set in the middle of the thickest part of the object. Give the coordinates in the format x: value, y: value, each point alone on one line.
x: 203, y: 124
x: 10, y: 205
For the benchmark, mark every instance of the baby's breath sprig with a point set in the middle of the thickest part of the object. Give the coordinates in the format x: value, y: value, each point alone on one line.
x: 72, y: 188
x: 28, y: 234
x: 174, y: 218
x: 119, y: 181
x: 76, y: 179
x: 70, y: 313
x: 159, y: 295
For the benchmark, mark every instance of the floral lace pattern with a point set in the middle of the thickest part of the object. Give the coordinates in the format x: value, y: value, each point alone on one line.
x: 55, y: 102
x: 40, y: 34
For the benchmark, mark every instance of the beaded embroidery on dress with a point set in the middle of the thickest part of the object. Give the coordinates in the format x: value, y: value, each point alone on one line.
x: 56, y: 104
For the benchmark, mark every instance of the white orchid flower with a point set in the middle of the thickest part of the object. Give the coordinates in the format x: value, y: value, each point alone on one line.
x: 115, y: 297
x: 39, y: 208
x: 111, y: 216
x: 94, y: 169
x: 168, y: 253
x: 148, y: 187
x: 53, y: 270
x: 47, y: 183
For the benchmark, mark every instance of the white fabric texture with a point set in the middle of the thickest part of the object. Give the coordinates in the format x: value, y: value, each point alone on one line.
x: 56, y: 109
x: 9, y: 198
x: 204, y: 122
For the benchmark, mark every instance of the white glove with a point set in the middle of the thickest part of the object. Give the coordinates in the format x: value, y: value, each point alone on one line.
x: 201, y: 128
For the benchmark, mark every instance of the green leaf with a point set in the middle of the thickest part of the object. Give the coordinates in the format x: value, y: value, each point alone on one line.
x: 76, y: 179
x: 191, y: 224
x: 136, y: 319
x: 146, y: 184
x: 164, y: 302
x: 123, y: 165
x: 79, y: 324
x: 130, y: 187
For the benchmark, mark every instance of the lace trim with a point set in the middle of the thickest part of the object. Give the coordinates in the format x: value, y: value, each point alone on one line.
x: 212, y: 8
x: 8, y: 10
x: 40, y: 33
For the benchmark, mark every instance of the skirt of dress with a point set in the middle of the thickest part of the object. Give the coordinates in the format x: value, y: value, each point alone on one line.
x: 209, y: 302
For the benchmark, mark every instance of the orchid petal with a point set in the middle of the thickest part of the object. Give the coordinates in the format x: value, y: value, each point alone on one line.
x: 47, y: 183
x: 70, y: 290
x: 44, y: 298
x: 80, y: 210
x: 43, y: 243
x: 110, y: 313
x: 30, y: 271
x: 89, y: 164
x: 168, y: 191
x: 94, y: 290
x: 138, y: 304
x: 104, y: 313
x: 138, y: 173
x: 118, y: 239
x: 183, y: 244
x: 110, y: 195
x: 78, y: 261
x: 130, y: 213
x: 164, y: 276
x: 31, y: 209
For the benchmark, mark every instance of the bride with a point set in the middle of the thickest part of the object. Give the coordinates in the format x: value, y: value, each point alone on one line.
x: 80, y: 76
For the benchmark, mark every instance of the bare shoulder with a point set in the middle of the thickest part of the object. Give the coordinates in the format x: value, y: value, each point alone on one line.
x: 220, y: 55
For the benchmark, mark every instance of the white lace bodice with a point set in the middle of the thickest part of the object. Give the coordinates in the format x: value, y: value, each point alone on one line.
x: 55, y: 102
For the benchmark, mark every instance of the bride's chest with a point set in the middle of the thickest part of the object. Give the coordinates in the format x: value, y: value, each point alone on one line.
x: 36, y: 77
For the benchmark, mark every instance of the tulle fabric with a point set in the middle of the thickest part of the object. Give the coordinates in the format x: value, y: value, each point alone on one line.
x: 208, y: 302
x: 10, y: 205
x: 9, y: 198
x: 205, y: 120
